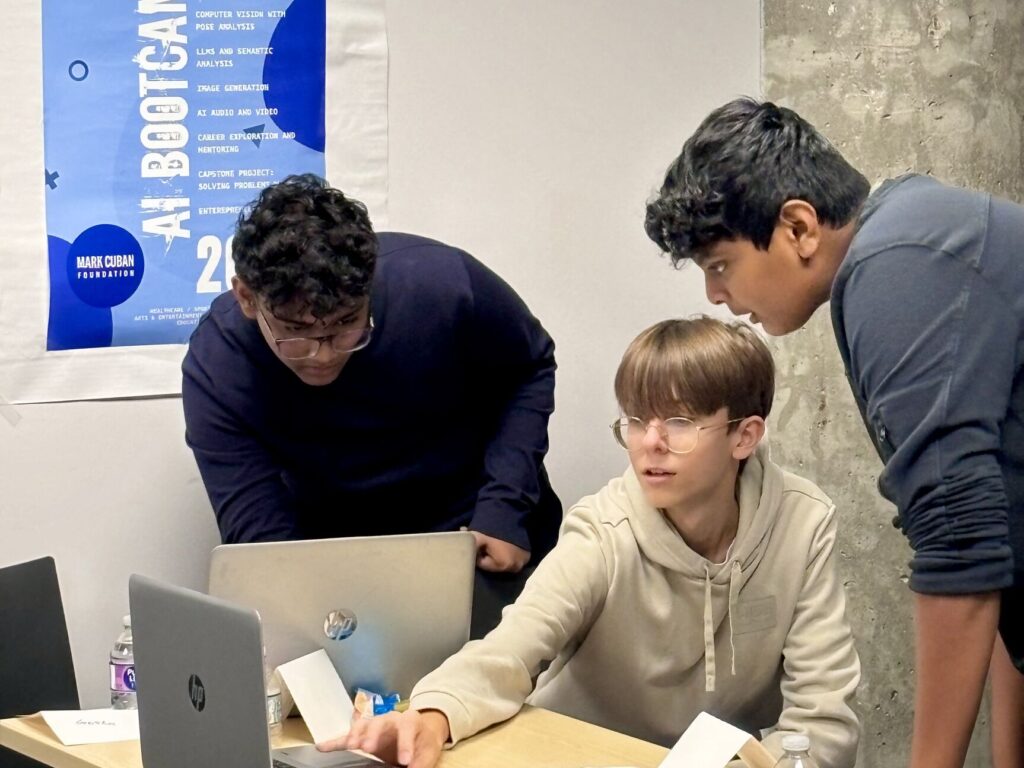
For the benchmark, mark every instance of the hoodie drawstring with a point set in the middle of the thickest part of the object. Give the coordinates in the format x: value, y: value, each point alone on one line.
x: 709, y: 635
x: 735, y: 573
x: 734, y: 591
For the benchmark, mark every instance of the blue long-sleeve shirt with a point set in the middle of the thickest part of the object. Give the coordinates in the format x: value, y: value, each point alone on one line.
x: 928, y: 310
x: 440, y: 422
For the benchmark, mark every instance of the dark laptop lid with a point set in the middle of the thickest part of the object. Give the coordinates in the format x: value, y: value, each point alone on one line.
x: 199, y: 675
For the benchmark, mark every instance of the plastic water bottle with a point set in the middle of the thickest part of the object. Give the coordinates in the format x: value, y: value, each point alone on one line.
x: 122, y: 669
x: 273, y: 699
x: 797, y: 752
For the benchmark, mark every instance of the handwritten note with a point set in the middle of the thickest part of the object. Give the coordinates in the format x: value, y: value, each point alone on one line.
x: 93, y: 726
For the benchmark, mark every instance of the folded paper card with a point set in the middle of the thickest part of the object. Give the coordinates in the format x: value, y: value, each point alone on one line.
x: 712, y: 743
x: 93, y: 726
x: 319, y: 694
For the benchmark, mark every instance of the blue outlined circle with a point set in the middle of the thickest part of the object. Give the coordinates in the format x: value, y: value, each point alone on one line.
x: 105, y: 265
x: 83, y: 68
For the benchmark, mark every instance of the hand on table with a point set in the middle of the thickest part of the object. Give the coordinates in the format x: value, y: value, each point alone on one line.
x: 498, y: 556
x: 410, y: 738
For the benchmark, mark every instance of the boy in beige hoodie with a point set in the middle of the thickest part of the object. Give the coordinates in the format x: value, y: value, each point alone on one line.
x: 702, y: 579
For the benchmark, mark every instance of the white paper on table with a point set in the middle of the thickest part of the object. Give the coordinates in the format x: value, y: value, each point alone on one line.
x: 320, y: 695
x: 707, y: 743
x: 93, y: 726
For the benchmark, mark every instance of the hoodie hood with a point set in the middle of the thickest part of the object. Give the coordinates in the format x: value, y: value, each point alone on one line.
x: 760, y: 492
x: 760, y: 489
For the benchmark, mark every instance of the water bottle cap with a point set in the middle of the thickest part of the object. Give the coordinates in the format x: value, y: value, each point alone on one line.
x: 796, y: 742
x: 127, y: 619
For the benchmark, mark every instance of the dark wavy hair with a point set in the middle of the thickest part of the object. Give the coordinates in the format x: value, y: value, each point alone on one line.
x: 303, y: 241
x: 738, y: 169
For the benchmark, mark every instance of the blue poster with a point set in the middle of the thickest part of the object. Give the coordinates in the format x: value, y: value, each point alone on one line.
x: 162, y: 120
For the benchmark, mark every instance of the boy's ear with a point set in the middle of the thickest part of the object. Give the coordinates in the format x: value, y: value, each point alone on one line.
x: 748, y: 435
x: 245, y: 296
x: 799, y: 221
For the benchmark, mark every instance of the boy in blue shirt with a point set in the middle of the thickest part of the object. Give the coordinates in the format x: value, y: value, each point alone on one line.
x: 927, y: 299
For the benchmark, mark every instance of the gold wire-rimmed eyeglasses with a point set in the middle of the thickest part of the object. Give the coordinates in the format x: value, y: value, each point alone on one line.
x: 679, y: 433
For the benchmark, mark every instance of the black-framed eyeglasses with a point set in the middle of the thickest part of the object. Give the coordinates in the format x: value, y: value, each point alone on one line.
x: 302, y: 348
x: 679, y: 433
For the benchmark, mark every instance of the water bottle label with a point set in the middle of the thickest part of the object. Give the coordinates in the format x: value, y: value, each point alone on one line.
x: 122, y: 677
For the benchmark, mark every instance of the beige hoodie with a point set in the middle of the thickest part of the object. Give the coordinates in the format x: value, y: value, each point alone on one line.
x: 643, y: 633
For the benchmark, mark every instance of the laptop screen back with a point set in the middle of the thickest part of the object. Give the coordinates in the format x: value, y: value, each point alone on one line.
x: 386, y: 609
x: 199, y: 672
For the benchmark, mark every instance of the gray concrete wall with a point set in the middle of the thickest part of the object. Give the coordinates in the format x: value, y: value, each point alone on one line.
x: 930, y: 86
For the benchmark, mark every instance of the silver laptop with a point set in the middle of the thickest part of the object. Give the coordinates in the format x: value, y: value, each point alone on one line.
x: 386, y: 609
x: 201, y: 695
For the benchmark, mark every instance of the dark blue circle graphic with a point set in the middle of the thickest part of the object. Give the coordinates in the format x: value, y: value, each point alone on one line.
x: 72, y: 324
x: 78, y: 70
x: 105, y: 265
x: 295, y: 73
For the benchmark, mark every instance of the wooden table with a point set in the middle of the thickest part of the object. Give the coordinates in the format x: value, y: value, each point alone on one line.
x: 535, y: 738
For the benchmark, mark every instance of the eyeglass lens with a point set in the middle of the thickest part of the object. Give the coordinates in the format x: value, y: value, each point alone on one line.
x: 678, y: 433
x: 345, y: 341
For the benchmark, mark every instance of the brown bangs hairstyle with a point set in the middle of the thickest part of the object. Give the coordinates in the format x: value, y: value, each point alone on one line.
x: 693, y: 367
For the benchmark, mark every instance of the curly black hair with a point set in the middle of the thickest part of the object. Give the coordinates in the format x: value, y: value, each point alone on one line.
x: 738, y: 169
x: 303, y: 241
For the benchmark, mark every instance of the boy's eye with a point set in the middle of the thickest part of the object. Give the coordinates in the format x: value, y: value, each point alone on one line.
x: 717, y: 268
x: 337, y: 327
x: 341, y: 325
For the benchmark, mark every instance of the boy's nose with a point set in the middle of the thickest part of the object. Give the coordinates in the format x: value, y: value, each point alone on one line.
x: 326, y: 353
x: 652, y: 438
x: 714, y: 292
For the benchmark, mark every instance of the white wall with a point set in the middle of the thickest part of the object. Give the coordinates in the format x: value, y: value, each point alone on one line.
x: 108, y: 488
x: 529, y: 132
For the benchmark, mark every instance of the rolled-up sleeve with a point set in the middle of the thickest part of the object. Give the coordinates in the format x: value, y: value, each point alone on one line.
x: 932, y: 357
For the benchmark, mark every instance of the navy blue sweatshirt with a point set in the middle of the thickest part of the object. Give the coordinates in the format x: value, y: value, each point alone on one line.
x: 440, y: 422
x: 928, y: 309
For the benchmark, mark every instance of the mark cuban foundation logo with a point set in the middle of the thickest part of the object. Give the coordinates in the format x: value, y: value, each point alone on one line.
x: 340, y: 624
x: 105, y: 265
x: 197, y: 693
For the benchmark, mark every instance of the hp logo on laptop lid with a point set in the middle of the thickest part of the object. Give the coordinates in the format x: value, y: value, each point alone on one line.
x: 340, y: 624
x: 197, y: 693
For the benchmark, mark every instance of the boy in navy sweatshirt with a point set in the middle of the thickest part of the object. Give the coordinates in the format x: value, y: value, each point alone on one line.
x: 355, y: 383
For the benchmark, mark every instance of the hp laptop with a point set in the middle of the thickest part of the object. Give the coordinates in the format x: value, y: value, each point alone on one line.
x: 202, y: 701
x: 386, y: 609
